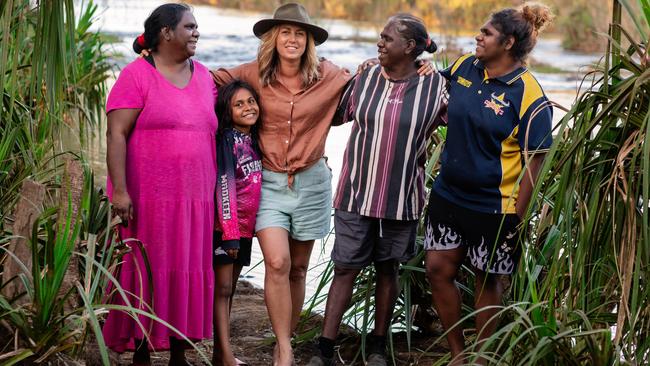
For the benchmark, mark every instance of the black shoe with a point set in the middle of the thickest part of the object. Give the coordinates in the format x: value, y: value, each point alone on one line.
x: 321, y: 361
x: 376, y: 359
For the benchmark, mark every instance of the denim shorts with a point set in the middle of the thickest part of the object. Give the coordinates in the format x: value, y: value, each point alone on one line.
x: 304, y: 209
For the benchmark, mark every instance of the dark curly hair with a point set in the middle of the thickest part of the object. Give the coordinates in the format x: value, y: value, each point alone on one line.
x: 523, y: 24
x: 166, y: 15
x: 412, y: 27
x: 224, y: 110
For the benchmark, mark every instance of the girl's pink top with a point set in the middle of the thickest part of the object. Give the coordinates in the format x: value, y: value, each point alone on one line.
x: 239, y: 175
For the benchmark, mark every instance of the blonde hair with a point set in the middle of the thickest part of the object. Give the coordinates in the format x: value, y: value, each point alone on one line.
x: 268, y: 59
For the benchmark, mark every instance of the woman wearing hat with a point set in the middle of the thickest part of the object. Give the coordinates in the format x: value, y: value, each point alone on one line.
x: 299, y: 95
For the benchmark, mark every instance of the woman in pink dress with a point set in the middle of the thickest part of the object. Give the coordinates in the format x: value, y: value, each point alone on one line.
x: 161, y: 162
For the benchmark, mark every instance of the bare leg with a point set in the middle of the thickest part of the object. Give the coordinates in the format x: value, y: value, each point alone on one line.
x: 386, y: 291
x: 338, y: 300
x: 274, y: 242
x: 223, y: 289
x: 442, y: 268
x: 488, y: 293
x: 300, y: 253
x: 236, y: 271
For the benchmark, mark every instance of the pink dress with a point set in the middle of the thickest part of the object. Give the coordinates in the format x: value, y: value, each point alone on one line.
x: 171, y: 175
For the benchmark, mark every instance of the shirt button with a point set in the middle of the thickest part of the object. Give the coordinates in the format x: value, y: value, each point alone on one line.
x: 487, y: 81
x: 479, y: 92
x: 289, y: 122
x: 286, y: 141
x: 291, y: 103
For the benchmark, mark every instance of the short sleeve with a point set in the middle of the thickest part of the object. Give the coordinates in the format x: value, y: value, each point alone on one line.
x: 535, y: 126
x: 345, y: 110
x: 446, y: 73
x: 126, y: 93
x: 451, y: 69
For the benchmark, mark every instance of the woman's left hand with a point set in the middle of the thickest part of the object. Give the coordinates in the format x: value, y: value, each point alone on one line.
x: 425, y: 67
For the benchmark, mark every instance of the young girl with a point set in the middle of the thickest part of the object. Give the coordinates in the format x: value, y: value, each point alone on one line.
x: 239, y: 180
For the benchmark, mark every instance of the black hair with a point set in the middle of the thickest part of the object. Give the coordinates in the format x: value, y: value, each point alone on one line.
x: 224, y: 109
x: 166, y: 15
x: 412, y: 27
x: 523, y: 24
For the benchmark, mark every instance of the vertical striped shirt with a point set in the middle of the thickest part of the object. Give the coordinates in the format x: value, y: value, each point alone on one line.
x: 383, y: 167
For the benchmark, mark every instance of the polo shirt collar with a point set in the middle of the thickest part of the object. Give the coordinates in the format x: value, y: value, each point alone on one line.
x: 508, y: 78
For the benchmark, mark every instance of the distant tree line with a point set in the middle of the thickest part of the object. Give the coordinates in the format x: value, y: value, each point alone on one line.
x: 578, y: 22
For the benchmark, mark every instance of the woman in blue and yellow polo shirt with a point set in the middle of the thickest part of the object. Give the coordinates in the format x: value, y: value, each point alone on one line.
x: 497, y: 113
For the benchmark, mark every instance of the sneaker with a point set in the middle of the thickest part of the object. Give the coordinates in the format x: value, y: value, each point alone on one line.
x: 321, y: 361
x: 376, y: 359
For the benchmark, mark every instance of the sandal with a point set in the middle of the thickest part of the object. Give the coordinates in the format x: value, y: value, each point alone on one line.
x: 240, y: 362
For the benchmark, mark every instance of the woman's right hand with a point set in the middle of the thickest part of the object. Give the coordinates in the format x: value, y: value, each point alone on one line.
x: 232, y: 253
x: 366, y: 64
x: 122, y: 205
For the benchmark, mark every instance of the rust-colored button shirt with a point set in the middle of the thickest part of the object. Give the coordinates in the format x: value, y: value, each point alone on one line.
x: 294, y: 127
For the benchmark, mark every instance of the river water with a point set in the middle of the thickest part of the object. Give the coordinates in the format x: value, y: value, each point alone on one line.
x: 227, y: 40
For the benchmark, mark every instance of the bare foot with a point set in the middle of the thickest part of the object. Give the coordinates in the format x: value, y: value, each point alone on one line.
x: 282, y: 357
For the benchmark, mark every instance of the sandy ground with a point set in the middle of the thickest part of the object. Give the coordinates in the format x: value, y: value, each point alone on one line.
x: 252, y: 338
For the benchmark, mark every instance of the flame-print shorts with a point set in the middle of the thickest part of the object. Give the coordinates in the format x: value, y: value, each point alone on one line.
x: 491, y: 240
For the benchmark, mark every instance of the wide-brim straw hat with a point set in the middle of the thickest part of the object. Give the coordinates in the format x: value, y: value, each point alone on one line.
x: 291, y: 13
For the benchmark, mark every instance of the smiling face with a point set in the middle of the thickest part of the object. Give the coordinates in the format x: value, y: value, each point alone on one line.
x: 392, y: 48
x: 488, y: 44
x: 244, y: 110
x: 185, y: 35
x: 291, y: 42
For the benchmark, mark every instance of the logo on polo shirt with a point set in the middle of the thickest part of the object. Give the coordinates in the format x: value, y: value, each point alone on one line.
x: 497, y: 103
x: 464, y: 82
x: 394, y: 101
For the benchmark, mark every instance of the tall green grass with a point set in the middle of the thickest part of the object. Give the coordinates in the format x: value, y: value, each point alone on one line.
x: 52, y: 86
x: 581, y: 292
x: 52, y: 81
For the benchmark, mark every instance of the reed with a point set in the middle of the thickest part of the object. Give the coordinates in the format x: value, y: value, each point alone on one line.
x: 52, y: 89
x: 581, y: 291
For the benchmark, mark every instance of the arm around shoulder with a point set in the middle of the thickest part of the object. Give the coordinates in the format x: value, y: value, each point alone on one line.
x: 246, y: 72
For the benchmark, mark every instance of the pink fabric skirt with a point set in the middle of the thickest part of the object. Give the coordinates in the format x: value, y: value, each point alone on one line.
x: 171, y: 178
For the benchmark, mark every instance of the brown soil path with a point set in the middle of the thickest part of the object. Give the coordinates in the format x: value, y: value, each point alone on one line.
x: 251, y: 335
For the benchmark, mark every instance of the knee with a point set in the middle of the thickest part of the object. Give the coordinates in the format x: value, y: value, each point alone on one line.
x: 298, y: 272
x: 345, y: 273
x: 223, y: 290
x: 387, y: 268
x: 277, y: 266
x: 439, y: 273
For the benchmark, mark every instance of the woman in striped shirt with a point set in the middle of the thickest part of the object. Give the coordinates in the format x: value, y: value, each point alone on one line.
x: 380, y: 193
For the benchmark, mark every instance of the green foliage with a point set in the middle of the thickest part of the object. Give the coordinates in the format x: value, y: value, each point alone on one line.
x: 581, y: 291
x: 40, y: 319
x: 52, y: 81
